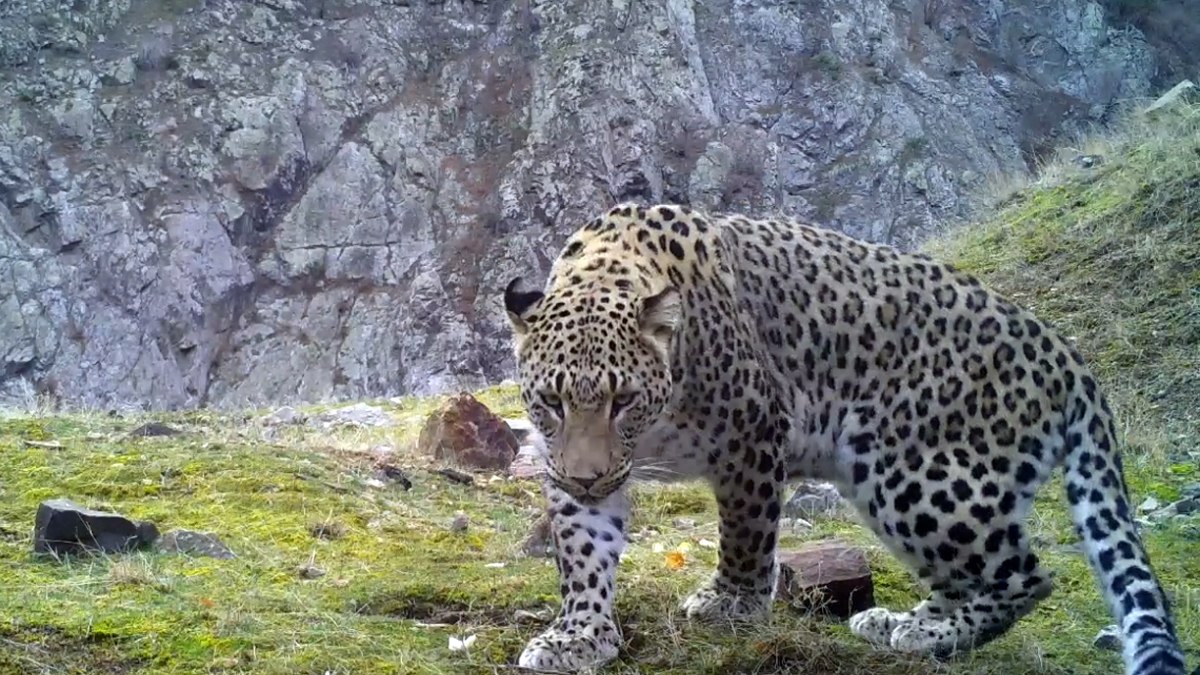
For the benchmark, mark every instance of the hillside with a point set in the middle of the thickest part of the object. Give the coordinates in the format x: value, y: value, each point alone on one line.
x: 340, y: 572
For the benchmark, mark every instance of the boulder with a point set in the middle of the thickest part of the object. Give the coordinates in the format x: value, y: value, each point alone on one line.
x: 62, y: 526
x: 464, y: 432
x: 826, y: 576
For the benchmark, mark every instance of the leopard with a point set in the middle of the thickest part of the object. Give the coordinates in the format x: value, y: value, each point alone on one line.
x: 752, y: 352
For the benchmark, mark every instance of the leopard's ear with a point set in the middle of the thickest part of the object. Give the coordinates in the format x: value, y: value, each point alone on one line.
x: 520, y: 302
x: 661, y: 314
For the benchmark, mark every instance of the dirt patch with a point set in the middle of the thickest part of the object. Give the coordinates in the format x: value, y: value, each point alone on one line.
x: 440, y: 610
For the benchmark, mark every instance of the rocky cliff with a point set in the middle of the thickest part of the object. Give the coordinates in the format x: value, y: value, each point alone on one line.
x: 230, y: 202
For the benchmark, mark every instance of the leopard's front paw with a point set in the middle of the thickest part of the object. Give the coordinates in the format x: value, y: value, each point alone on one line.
x: 925, y: 637
x: 875, y: 625
x: 572, y: 646
x: 716, y: 603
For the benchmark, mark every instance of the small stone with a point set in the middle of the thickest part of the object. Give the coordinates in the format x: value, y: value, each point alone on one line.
x: 396, y: 475
x: 456, y: 476
x: 684, y: 523
x: 329, y: 530
x: 1191, y: 491
x: 460, y: 522
x: 463, y: 431
x: 284, y: 415
x: 794, y: 524
x: 1186, y: 507
x: 375, y: 483
x: 195, y: 543
x: 1109, y: 638
x: 62, y: 526
x: 526, y: 616
x: 309, y: 571
x: 154, y: 429
x: 828, y: 576
x: 1149, y: 504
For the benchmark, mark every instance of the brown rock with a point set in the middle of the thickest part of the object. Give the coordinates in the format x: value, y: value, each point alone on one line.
x: 826, y: 576
x: 464, y: 432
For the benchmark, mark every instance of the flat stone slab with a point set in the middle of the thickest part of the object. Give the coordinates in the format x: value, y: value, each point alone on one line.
x: 831, y: 577
x: 61, y: 526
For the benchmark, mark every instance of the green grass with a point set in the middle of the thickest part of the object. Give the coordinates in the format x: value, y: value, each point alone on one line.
x: 1110, y: 256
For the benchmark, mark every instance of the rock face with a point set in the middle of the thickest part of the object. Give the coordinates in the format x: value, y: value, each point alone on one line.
x: 62, y: 526
x: 464, y: 432
x: 231, y: 202
x: 827, y: 576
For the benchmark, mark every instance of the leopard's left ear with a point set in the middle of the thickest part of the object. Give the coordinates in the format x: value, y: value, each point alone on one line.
x: 520, y: 302
x: 661, y: 315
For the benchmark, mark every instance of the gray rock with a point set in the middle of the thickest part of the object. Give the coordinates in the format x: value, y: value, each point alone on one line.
x: 309, y: 571
x: 284, y: 415
x: 62, y: 527
x: 246, y: 203
x: 195, y: 543
x: 154, y: 429
x: 813, y: 499
x: 1185, y: 90
x: 1109, y: 638
x: 357, y: 415
x: 1149, y: 504
x: 1187, y: 507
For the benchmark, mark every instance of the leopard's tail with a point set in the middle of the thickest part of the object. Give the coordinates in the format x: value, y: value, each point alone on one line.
x: 1103, y: 515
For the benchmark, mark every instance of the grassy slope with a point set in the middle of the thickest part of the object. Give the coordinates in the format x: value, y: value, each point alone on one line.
x: 1110, y: 256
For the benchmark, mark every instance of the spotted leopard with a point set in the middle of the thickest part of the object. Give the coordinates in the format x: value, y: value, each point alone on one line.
x: 751, y: 352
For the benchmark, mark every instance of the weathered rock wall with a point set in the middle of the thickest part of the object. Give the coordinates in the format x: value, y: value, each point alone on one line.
x: 226, y: 202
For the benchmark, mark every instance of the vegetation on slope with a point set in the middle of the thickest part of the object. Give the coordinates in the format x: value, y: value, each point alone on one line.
x: 1111, y: 255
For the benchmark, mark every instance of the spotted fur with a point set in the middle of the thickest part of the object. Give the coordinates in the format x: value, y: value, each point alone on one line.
x: 751, y: 352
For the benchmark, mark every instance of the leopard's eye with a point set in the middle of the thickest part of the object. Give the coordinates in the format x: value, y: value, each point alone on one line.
x: 553, y: 402
x: 620, y: 402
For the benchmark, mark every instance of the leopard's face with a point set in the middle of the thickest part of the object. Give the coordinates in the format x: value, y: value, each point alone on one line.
x: 594, y: 380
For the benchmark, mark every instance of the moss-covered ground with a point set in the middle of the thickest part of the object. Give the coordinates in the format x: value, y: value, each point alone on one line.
x: 1111, y: 255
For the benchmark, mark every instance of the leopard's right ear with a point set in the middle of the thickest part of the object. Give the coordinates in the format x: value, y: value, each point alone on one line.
x: 520, y: 302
